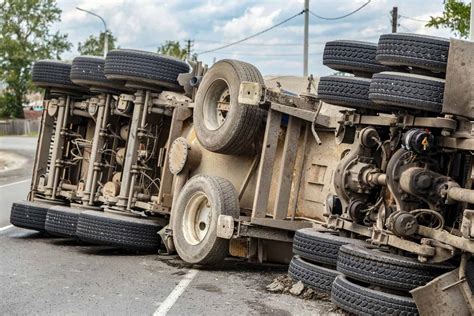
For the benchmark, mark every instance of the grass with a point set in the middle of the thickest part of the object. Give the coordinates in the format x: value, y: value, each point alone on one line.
x: 32, y: 134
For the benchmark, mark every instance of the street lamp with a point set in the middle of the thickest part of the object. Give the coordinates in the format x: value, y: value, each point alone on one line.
x: 106, y: 41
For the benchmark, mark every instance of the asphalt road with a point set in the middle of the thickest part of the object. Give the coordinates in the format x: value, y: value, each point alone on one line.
x: 42, y: 275
x: 15, y: 184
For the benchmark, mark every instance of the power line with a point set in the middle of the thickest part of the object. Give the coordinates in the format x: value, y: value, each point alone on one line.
x: 413, y: 19
x: 405, y: 28
x: 339, y: 17
x: 264, y: 55
x: 252, y: 36
x: 261, y: 44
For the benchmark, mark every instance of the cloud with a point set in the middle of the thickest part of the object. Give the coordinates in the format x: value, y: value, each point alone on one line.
x: 252, y: 21
x: 145, y: 24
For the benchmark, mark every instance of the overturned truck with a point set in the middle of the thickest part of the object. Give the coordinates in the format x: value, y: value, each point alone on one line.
x: 366, y: 185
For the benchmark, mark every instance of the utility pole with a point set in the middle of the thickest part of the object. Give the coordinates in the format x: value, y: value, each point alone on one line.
x: 471, y: 28
x: 189, y: 46
x: 394, y: 19
x: 306, y: 30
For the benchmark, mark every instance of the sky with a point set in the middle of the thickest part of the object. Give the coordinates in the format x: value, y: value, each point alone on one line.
x: 146, y: 24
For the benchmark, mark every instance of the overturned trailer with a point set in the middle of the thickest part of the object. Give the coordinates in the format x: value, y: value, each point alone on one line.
x: 132, y: 143
x: 140, y: 153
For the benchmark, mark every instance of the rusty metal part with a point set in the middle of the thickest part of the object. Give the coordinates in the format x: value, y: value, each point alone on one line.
x: 357, y: 211
x: 120, y: 156
x: 250, y: 173
x: 403, y: 121
x: 124, y: 131
x: 345, y: 134
x: 103, y: 104
x: 369, y: 137
x: 455, y: 143
x: 456, y: 193
x: 401, y: 160
x: 447, y: 238
x: 52, y: 107
x: 430, y: 186
x: 190, y: 81
x: 183, y: 155
x: 403, y: 224
x: 467, y: 224
x: 117, y: 177
x: 131, y: 156
x: 347, y: 178
x: 446, y: 295
x: 111, y: 189
x: 58, y: 147
x: 245, y: 229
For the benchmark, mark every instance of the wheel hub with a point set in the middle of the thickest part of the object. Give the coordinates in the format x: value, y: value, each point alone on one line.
x: 197, y: 218
x: 216, y: 104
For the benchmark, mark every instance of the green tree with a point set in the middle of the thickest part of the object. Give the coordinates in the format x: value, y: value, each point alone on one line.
x: 173, y: 48
x: 25, y: 37
x: 94, y: 45
x: 456, y: 17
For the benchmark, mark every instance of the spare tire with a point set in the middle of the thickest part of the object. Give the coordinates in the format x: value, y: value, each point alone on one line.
x: 414, y: 50
x: 361, y: 300
x: 311, y: 275
x: 222, y: 124
x: 89, y: 71
x: 408, y: 91
x: 53, y: 74
x: 372, y: 265
x: 147, y: 69
x: 352, y: 56
x: 122, y: 231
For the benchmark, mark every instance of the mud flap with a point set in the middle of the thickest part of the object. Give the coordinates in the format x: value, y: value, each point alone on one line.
x: 445, y: 295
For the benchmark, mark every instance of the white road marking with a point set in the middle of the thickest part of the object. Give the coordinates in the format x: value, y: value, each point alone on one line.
x: 13, y: 183
x: 5, y: 228
x: 176, y: 293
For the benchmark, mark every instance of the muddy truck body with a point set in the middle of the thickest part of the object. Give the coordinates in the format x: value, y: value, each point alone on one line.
x: 362, y: 182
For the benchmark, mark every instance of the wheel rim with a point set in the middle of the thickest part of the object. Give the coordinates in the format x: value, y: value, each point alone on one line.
x: 216, y: 104
x: 197, y: 218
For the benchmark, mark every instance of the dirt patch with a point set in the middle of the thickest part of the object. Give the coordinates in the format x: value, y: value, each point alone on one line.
x: 286, y: 285
x: 10, y: 161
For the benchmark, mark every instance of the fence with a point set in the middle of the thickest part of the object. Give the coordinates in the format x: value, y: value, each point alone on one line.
x: 19, y: 126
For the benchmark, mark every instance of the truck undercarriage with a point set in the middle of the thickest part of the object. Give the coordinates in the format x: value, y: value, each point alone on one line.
x: 370, y: 178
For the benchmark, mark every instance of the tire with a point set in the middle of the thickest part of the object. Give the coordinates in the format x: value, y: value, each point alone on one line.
x: 120, y: 231
x: 320, y: 246
x: 151, y: 69
x: 53, y: 74
x: 195, y: 242
x: 89, y: 71
x: 384, y: 269
x: 234, y: 131
x: 352, y: 56
x: 413, y: 50
x: 318, y: 278
x: 407, y: 91
x: 352, y: 92
x: 360, y: 300
x: 62, y: 221
x: 29, y: 215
